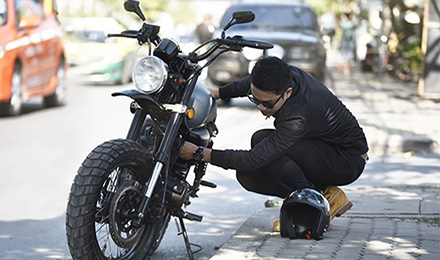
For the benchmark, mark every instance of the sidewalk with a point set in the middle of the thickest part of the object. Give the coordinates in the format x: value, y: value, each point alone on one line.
x: 395, y: 119
x: 386, y: 222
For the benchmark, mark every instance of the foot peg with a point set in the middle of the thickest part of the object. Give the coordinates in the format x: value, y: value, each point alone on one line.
x: 192, y: 217
x: 208, y: 184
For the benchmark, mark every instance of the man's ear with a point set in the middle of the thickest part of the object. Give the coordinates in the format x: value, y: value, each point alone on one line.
x: 288, y: 92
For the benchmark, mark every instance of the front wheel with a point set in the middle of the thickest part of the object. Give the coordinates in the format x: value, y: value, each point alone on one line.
x: 103, y: 201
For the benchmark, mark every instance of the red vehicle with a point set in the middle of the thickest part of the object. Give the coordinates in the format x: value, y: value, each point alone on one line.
x: 31, y: 54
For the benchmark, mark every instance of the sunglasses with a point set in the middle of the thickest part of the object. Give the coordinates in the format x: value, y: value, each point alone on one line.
x: 266, y: 104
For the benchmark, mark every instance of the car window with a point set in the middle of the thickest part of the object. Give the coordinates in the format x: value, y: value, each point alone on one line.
x: 3, y: 12
x: 28, y: 7
x: 281, y: 18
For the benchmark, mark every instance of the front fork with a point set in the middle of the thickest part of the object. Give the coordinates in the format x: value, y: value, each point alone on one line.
x: 163, y: 153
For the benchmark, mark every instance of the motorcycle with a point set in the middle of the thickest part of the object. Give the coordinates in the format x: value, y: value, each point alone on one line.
x: 379, y: 59
x: 126, y: 190
x: 373, y: 60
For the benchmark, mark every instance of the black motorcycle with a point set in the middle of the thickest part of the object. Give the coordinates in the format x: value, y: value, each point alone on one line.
x: 126, y: 190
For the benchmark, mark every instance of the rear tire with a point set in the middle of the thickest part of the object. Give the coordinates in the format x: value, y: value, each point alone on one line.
x: 102, y: 201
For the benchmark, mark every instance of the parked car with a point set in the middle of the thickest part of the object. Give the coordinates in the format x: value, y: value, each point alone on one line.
x: 291, y: 26
x: 31, y: 54
x: 100, y: 59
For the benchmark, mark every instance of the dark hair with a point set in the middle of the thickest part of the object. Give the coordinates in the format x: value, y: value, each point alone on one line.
x: 271, y: 74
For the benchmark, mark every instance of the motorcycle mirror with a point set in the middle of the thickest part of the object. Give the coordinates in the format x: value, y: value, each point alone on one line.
x: 239, y: 18
x: 133, y: 6
x: 243, y: 17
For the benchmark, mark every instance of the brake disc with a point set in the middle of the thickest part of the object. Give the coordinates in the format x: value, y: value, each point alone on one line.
x: 123, y: 212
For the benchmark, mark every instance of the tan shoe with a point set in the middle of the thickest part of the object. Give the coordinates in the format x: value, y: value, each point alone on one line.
x: 338, y: 201
x: 276, y: 226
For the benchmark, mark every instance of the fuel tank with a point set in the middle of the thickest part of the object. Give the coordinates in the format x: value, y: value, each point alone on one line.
x: 204, y: 106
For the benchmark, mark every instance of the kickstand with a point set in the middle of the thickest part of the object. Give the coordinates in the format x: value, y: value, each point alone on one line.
x: 182, y: 231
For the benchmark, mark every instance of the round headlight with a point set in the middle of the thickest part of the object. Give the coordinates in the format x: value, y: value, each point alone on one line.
x: 150, y: 74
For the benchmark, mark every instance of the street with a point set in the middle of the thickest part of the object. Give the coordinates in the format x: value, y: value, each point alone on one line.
x: 42, y: 149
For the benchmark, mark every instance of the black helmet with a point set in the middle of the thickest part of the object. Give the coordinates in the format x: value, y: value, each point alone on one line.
x: 305, y: 214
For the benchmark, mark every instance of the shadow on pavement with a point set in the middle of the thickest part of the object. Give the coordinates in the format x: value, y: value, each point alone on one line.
x: 33, y: 239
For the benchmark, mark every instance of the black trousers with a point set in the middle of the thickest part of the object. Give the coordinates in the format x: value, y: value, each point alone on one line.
x: 309, y: 163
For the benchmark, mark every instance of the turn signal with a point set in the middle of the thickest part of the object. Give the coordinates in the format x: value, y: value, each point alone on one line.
x: 179, y: 81
x: 190, y: 114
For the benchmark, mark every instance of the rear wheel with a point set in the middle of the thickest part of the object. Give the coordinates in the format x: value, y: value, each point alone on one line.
x: 103, y: 201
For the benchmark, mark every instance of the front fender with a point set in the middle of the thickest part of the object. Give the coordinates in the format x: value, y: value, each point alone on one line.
x: 146, y: 102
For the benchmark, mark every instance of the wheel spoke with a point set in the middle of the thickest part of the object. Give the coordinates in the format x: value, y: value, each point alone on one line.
x: 102, y: 225
x: 117, y: 192
x: 119, y: 197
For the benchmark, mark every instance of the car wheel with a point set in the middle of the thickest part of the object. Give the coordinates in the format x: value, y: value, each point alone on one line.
x: 58, y: 98
x: 13, y: 106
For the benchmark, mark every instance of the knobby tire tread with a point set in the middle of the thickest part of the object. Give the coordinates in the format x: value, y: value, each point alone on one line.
x: 83, y: 196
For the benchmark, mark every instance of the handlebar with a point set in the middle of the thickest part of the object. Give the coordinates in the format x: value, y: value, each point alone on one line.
x: 149, y: 33
x: 259, y: 45
x: 125, y: 34
x: 235, y: 43
x: 238, y: 42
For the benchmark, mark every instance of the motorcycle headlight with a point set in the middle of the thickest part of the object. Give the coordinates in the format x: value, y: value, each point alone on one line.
x: 150, y: 74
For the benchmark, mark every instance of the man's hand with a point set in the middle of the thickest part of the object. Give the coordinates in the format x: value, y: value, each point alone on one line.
x: 188, y: 149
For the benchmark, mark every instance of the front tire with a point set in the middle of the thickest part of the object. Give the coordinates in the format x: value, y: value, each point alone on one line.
x: 102, y: 204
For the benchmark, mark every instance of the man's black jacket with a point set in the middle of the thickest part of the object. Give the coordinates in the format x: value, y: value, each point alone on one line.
x: 312, y: 111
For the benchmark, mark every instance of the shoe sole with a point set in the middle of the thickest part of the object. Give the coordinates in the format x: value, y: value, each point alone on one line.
x: 341, y: 210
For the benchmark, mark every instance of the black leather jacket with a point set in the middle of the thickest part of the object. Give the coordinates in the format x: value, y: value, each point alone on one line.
x: 312, y: 111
